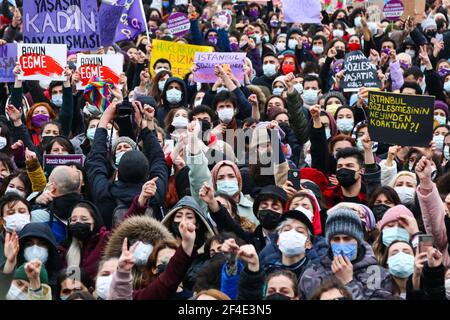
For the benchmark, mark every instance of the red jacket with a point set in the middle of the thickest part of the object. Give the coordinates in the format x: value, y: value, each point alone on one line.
x: 333, y: 196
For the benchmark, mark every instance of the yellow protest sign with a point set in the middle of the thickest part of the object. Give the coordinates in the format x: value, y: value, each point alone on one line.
x: 180, y: 55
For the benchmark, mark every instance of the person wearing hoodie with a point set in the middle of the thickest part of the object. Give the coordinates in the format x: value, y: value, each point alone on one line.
x: 166, y: 284
x: 135, y: 168
x: 271, y: 69
x: 349, y: 258
x: 174, y: 95
x: 293, y: 246
x: 30, y: 282
x: 86, y: 239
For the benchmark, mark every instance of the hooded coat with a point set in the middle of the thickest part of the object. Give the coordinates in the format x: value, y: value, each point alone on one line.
x: 162, y: 111
x: 370, y: 280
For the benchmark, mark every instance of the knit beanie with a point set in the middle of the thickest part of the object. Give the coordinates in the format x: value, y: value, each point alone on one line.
x: 20, y: 274
x: 438, y: 104
x: 123, y: 139
x: 428, y: 24
x: 133, y: 167
x: 344, y: 221
x: 393, y: 214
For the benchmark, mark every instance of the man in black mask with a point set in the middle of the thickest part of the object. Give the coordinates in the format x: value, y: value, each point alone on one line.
x: 267, y: 207
x: 351, y: 167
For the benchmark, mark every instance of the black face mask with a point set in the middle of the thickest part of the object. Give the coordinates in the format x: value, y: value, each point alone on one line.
x: 346, y: 177
x: 46, y: 140
x: 81, y: 231
x: 379, y: 210
x: 206, y: 126
x: 174, y: 229
x: 161, y: 268
x: 277, y: 296
x: 430, y: 34
x: 269, y: 219
x: 340, y: 54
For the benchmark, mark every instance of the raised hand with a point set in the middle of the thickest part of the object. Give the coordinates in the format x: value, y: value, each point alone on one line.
x: 331, y: 53
x: 11, y: 246
x: 45, y: 198
x: 315, y: 115
x: 367, y: 142
x: 126, y: 260
x: 206, y: 193
x: 342, y: 269
x: 30, y: 155
x: 188, y: 233
x: 230, y: 246
x: 408, y: 223
x: 148, y: 191
x: 423, y: 171
x: 434, y: 257
x: 108, y: 115
x: 289, y: 80
x: 33, y: 271
x: 14, y: 114
x: 248, y: 254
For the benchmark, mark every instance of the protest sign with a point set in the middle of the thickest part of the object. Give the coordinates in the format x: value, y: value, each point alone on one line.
x: 53, y: 160
x: 359, y: 72
x: 132, y: 21
x: 332, y: 5
x: 109, y: 18
x: 181, y: 2
x: 400, y: 119
x: 42, y: 61
x: 178, y: 24
x: 107, y: 67
x: 180, y: 55
x: 8, y: 58
x: 393, y: 10
x: 224, y: 17
x: 74, y: 23
x: 206, y: 61
x: 413, y: 8
x: 304, y: 11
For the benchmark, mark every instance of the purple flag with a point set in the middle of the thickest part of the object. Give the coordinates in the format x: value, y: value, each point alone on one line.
x: 74, y: 23
x: 132, y: 22
x: 109, y: 18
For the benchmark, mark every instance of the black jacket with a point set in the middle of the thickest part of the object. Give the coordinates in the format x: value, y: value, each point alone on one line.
x: 250, y: 285
x: 107, y: 195
x: 164, y: 109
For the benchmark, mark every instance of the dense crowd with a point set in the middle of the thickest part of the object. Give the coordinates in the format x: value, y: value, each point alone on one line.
x: 265, y: 189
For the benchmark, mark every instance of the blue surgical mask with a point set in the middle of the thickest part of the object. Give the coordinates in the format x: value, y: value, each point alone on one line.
x: 292, y: 44
x: 257, y: 38
x: 229, y: 187
x: 269, y: 70
x: 90, y: 133
x: 401, y: 265
x: 328, y: 133
x: 57, y: 99
x: 345, y: 125
x: 359, y: 144
x: 161, y: 84
x: 348, y: 250
x: 447, y: 87
x: 447, y: 152
x: 310, y: 96
x: 442, y: 120
x: 357, y: 22
x: 221, y: 88
x: 173, y: 96
x: 36, y: 252
x: 391, y: 234
x: 119, y: 156
x: 180, y: 122
x: 277, y: 91
x: 439, y: 140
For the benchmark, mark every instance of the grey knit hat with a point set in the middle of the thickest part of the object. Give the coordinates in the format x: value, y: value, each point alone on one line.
x: 344, y: 221
x: 123, y: 139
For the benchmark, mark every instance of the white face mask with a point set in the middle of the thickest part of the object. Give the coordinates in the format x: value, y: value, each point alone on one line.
x: 317, y: 49
x: 17, y: 221
x: 292, y: 44
x: 405, y: 194
x: 141, y: 254
x: 102, y: 285
x: 16, y: 191
x: 298, y: 87
x: 226, y: 115
x: 3, y: 142
x: 119, y: 156
x: 281, y: 46
x: 180, y: 122
x: 411, y: 53
x: 14, y: 293
x: 198, y: 102
x: 291, y: 243
x: 36, y: 252
x: 338, y: 33
x: 174, y: 96
x: 306, y: 212
x: 161, y: 84
x: 447, y: 289
x: 308, y: 159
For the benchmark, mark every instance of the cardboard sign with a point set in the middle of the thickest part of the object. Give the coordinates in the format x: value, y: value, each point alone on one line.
x: 8, y: 58
x: 207, y: 61
x: 178, y: 23
x: 400, y: 119
x: 107, y: 67
x: 42, y: 61
x: 359, y: 72
x: 180, y: 55
x: 303, y: 11
x: 74, y: 23
x: 393, y: 10
x: 53, y: 160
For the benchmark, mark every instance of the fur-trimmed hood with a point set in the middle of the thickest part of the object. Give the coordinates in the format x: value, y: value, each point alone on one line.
x: 141, y: 228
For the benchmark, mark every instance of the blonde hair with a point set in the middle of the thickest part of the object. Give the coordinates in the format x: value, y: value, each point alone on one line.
x: 403, y: 173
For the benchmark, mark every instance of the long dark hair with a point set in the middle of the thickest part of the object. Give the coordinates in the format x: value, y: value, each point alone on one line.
x: 22, y: 176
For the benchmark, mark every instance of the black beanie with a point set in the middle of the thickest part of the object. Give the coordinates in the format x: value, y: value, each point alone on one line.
x: 133, y: 167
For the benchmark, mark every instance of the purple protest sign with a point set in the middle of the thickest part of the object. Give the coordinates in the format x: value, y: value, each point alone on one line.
x: 132, y: 22
x: 8, y: 58
x: 74, y: 23
x: 178, y: 24
x: 53, y: 160
x: 206, y: 61
x: 393, y: 10
x: 225, y: 19
x: 109, y: 18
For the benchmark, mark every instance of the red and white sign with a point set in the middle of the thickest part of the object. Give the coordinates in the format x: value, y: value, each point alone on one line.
x: 42, y: 61
x: 107, y: 67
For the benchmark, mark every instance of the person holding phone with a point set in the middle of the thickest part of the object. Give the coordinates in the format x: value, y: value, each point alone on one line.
x: 432, y: 207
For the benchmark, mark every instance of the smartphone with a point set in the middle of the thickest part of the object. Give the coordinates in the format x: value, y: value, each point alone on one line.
x: 425, y: 241
x: 294, y: 178
x: 169, y: 143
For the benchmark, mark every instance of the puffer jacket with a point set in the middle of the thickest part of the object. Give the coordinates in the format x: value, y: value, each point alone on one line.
x: 370, y: 280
